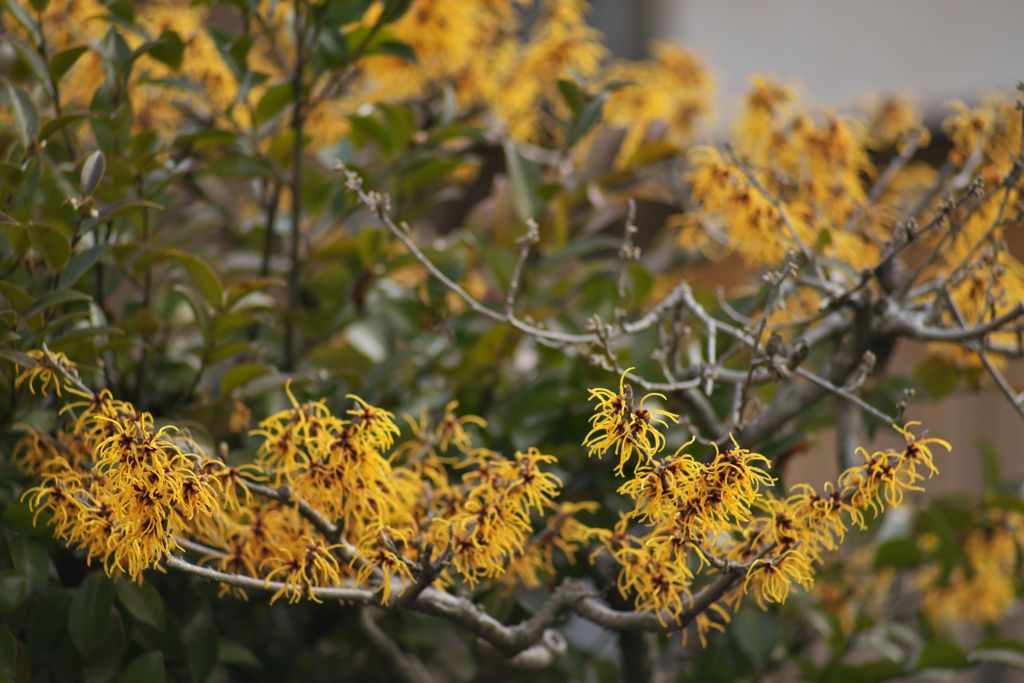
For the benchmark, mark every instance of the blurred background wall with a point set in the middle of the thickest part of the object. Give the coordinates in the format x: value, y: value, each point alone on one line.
x: 840, y: 51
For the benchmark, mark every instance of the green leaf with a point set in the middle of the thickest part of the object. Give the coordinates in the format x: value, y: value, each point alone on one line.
x: 58, y: 123
x: 942, y: 654
x: 92, y: 173
x: 898, y: 552
x: 233, y: 652
x: 1005, y: 651
x: 199, y: 636
x: 396, y: 48
x: 168, y: 48
x: 112, y: 211
x: 90, y: 615
x: 13, y: 589
x: 876, y: 670
x: 23, y: 18
x: 52, y: 244
x: 17, y: 297
x: 524, y: 179
x: 393, y: 10
x: 147, y: 668
x: 240, y: 375
x: 48, y: 620
x: 142, y: 601
x: 588, y: 117
x: 55, y: 298
x: 80, y: 264
x: 31, y: 58
x: 30, y: 558
x: 273, y: 102
x: 200, y: 310
x: 338, y: 14
x: 756, y: 633
x: 572, y: 94
x: 26, y: 118
x: 8, y: 650
x: 103, y: 664
x: 203, y: 275
x: 62, y: 62
x: 18, y: 358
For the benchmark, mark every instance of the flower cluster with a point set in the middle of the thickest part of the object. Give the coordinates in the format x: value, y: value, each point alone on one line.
x: 130, y: 494
x: 115, y: 485
x: 690, y: 516
x: 983, y: 588
x: 341, y: 511
x: 801, y: 181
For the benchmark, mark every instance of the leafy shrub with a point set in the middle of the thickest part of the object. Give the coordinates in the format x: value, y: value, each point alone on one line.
x: 239, y: 238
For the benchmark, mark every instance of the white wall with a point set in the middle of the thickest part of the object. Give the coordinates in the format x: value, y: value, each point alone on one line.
x: 842, y: 50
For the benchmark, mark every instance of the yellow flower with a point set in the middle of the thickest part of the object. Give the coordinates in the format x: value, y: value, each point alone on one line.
x: 918, y: 452
x: 307, y: 563
x: 44, y: 373
x: 452, y: 429
x: 618, y: 423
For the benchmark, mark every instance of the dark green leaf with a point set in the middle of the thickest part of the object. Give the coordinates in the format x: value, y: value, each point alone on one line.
x: 26, y: 117
x: 1005, y: 651
x: 116, y: 209
x: 58, y: 123
x: 199, y: 636
x: 55, y: 298
x: 588, y: 117
x: 240, y: 375
x: 877, y: 670
x: 62, y: 62
x: 200, y: 310
x: 168, y: 48
x: 147, y: 668
x: 202, y: 274
x: 90, y: 615
x: 393, y: 10
x: 52, y: 244
x: 273, y: 102
x: 338, y: 14
x: 48, y: 621
x: 80, y: 264
x: 756, y: 633
x: 898, y: 552
x: 233, y: 652
x: 942, y: 654
x: 572, y: 94
x: 103, y: 664
x: 396, y: 48
x: 8, y: 650
x: 524, y: 178
x: 23, y: 18
x: 15, y: 295
x: 142, y: 601
x: 31, y: 58
x: 18, y: 358
x: 31, y: 560
x: 13, y: 589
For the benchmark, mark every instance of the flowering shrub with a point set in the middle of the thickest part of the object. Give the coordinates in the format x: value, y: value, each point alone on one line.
x: 223, y: 224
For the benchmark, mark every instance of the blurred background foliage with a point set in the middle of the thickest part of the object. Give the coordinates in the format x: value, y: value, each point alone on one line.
x: 174, y: 224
